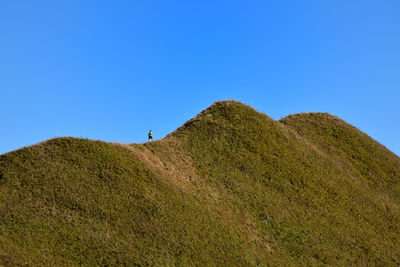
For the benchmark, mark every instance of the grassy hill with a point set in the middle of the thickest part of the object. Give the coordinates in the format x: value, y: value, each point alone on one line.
x: 230, y: 187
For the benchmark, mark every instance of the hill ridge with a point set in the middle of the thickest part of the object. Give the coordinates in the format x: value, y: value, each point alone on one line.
x: 231, y: 183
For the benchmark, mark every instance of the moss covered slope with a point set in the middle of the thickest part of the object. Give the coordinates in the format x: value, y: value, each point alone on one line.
x: 230, y: 187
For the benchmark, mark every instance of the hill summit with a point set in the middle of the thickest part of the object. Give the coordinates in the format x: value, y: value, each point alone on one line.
x: 230, y: 187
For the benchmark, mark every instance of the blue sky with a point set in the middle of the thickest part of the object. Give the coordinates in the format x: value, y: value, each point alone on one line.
x: 112, y: 70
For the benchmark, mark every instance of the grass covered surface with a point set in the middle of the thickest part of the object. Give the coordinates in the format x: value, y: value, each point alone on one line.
x: 230, y: 187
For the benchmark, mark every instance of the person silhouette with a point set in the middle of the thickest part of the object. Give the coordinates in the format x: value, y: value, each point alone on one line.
x: 150, y: 136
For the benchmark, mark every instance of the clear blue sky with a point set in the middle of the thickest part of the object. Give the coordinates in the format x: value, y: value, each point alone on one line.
x: 112, y: 70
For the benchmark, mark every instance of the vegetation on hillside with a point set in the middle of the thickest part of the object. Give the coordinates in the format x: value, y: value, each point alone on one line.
x: 230, y: 187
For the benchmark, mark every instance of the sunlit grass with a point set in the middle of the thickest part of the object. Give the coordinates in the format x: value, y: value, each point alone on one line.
x: 230, y: 187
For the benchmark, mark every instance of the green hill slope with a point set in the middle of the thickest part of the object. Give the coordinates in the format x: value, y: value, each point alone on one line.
x: 230, y: 187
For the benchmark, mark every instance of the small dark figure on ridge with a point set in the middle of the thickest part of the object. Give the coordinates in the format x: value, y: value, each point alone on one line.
x: 150, y: 136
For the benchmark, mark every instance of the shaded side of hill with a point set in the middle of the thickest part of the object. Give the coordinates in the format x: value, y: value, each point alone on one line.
x: 230, y: 187
x: 362, y: 156
x: 306, y: 194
